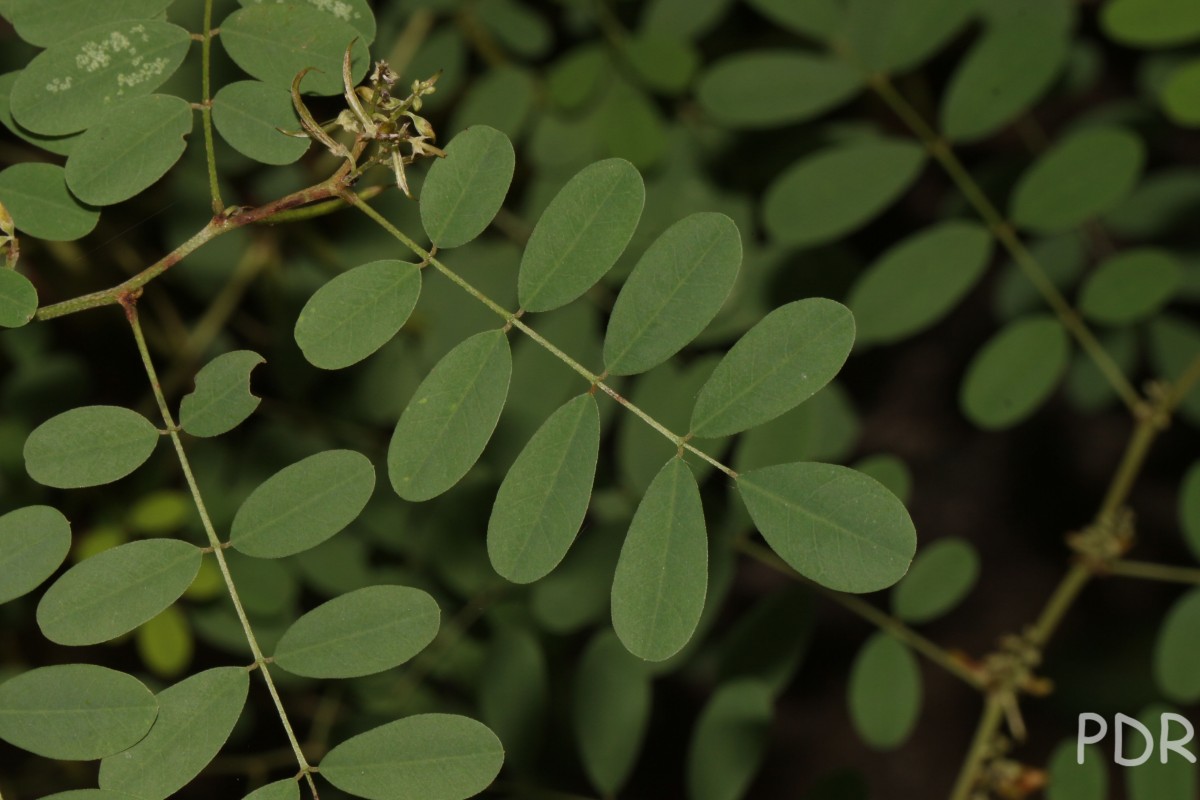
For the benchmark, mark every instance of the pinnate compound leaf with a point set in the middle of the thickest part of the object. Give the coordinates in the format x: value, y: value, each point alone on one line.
x: 356, y: 13
x: 450, y: 419
x: 359, y: 633
x: 918, y: 281
x: 544, y: 496
x: 1014, y: 372
x: 304, y: 504
x: 71, y: 85
x: 662, y: 576
x: 37, y: 197
x: 425, y: 757
x: 250, y: 114
x: 833, y: 525
x: 286, y: 789
x: 677, y: 287
x: 942, y: 574
x: 1130, y: 286
x: 779, y: 363
x: 1151, y: 23
x: 884, y: 692
x: 769, y: 88
x: 195, y: 717
x: 610, y: 711
x: 222, y: 399
x: 129, y: 148
x: 117, y: 590
x: 892, y: 37
x: 1064, y: 188
x: 357, y: 313
x: 1178, y: 649
x: 464, y: 191
x: 1189, y: 508
x: 44, y: 24
x: 89, y: 446
x: 729, y: 741
x: 274, y: 41
x: 34, y: 542
x: 18, y: 299
x: 581, y: 234
x: 1070, y: 780
x: 75, y: 712
x: 837, y: 190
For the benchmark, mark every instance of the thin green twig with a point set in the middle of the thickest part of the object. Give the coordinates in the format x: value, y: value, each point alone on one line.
x: 1154, y: 572
x: 218, y: 205
x: 981, y: 747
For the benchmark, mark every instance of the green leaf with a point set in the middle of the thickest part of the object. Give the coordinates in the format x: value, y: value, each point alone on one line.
x: 465, y: 190
x: 129, y: 148
x: 1064, y: 189
x: 838, y: 189
x: 34, y: 542
x: 426, y: 757
x: 222, y: 399
x: 833, y: 525
x: 1130, y: 286
x: 941, y: 576
x: 286, y: 789
x: 690, y: 18
x: 250, y: 114
x: 516, y: 26
x: 89, y: 446
x: 1174, y: 342
x: 886, y: 36
x: 610, y: 711
x: 1154, y: 780
x: 44, y: 24
x: 1160, y: 204
x: 664, y: 63
x: 1014, y: 372
x: 275, y: 41
x: 1181, y: 95
x: 514, y: 693
x: 919, y: 280
x: 356, y: 13
x: 823, y: 428
x: 165, y: 643
x: 195, y: 718
x: 817, y: 19
x: 1151, y: 23
x: 676, y: 289
x: 75, y: 712
x: 117, y: 590
x: 631, y: 126
x: 768, y: 643
x: 581, y: 234
x: 36, y: 196
x: 59, y: 145
x: 71, y: 85
x: 303, y: 505
x: 18, y: 299
x: 1177, y: 650
x: 359, y: 633
x: 781, y: 362
x: 884, y: 692
x: 729, y: 741
x: 889, y: 470
x: 449, y: 420
x: 1070, y: 780
x: 502, y: 99
x: 544, y: 496
x: 574, y: 77
x: 662, y: 576
x: 1008, y: 69
x: 90, y: 794
x: 357, y: 313
x: 1189, y: 508
x: 769, y: 88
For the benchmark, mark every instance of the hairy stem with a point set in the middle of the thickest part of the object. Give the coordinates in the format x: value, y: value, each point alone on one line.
x: 206, y: 109
x: 129, y: 302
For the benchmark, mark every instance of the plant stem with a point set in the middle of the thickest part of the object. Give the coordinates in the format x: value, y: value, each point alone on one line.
x: 885, y: 622
x: 1004, y: 233
x: 1154, y: 572
x: 513, y: 318
x: 981, y: 745
x: 218, y: 205
x: 129, y: 302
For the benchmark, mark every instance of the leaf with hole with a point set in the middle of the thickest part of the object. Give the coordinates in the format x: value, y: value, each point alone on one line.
x: 450, y: 419
x: 117, y: 590
x: 662, y: 576
x: 71, y: 85
x: 610, y: 711
x: 1130, y: 286
x: 1014, y: 372
x: 425, y: 757
x: 463, y: 192
x: 544, y: 496
x: 251, y: 116
x: 222, y: 399
x: 34, y: 542
x: 304, y: 504
x: 75, y: 712
x: 195, y: 717
x: 676, y: 289
x: 942, y: 574
x: 359, y: 633
x: 581, y: 234
x: 357, y: 313
x: 770, y: 88
x: 18, y: 299
x: 884, y: 692
x: 729, y: 741
x: 833, y: 525
x: 89, y: 446
x: 37, y: 197
x: 781, y: 362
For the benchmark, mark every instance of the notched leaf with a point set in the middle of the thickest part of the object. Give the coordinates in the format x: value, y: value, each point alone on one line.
x: 222, y: 399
